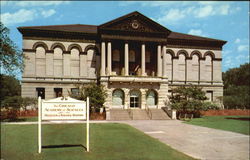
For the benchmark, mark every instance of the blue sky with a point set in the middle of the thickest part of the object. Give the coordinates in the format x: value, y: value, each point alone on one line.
x: 220, y: 20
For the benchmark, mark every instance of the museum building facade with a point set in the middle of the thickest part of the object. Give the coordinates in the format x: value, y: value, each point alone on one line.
x: 137, y: 60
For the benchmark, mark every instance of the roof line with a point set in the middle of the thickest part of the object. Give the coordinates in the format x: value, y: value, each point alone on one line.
x: 212, y: 39
x: 58, y: 25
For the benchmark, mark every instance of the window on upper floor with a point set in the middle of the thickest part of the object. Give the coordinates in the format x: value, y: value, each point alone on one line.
x: 75, y: 92
x: 58, y: 92
x: 40, y: 92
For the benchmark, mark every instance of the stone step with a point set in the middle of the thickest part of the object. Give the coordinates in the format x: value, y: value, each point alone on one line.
x: 140, y: 114
x: 159, y: 114
x: 119, y: 114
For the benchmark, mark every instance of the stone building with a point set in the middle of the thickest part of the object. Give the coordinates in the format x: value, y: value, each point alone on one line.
x: 138, y: 60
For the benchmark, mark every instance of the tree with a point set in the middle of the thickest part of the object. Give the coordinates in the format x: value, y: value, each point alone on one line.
x: 96, y: 94
x: 236, y: 87
x: 237, y: 76
x: 190, y: 100
x: 11, y: 57
x: 10, y: 87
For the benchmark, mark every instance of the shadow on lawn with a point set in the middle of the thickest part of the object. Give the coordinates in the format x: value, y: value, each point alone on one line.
x: 14, y: 120
x: 64, y: 146
x: 241, y: 118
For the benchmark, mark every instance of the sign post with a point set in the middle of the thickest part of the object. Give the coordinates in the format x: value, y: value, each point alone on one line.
x: 65, y: 109
x: 87, y: 129
x: 39, y: 126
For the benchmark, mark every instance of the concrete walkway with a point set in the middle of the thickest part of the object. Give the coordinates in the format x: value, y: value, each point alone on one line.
x: 198, y: 142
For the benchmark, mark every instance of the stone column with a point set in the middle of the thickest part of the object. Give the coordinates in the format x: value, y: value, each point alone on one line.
x: 103, y: 57
x: 109, y: 59
x: 143, y: 99
x: 126, y: 63
x: 164, y: 73
x: 143, y: 60
x: 159, y: 61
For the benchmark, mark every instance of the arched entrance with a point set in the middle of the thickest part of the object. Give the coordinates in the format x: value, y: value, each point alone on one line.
x: 135, y: 99
x: 118, y: 98
x: 151, y: 98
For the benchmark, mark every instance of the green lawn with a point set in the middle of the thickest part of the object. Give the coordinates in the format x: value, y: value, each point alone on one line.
x: 29, y: 119
x: 228, y: 123
x: 110, y: 141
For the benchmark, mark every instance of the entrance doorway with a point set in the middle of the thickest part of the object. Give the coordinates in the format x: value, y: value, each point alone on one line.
x: 135, y: 99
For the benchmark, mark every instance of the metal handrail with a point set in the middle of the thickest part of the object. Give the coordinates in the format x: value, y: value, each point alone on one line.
x: 130, y: 112
x: 148, y: 112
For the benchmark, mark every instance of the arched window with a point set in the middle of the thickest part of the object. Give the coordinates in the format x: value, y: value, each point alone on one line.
x: 75, y: 62
x: 118, y: 97
x: 58, y: 64
x: 40, y: 61
x: 182, y: 67
x: 151, y: 98
x: 208, y: 67
x: 195, y: 67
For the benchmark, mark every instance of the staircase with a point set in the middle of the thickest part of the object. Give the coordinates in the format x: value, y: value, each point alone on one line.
x: 138, y: 114
x: 159, y: 114
x: 119, y: 114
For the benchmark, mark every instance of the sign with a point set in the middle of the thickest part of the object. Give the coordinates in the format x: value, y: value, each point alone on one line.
x: 63, y: 109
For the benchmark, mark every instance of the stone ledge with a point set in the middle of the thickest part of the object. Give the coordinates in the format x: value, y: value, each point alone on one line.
x: 134, y: 79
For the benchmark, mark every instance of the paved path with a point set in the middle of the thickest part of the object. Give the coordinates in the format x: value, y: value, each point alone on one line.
x: 198, y: 142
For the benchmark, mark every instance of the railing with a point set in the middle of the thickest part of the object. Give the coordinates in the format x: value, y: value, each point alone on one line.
x: 130, y: 112
x: 148, y: 112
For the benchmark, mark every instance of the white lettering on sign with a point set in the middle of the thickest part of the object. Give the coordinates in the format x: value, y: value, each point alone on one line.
x: 63, y: 110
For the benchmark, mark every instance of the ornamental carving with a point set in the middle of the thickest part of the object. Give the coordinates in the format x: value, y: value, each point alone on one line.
x: 133, y: 25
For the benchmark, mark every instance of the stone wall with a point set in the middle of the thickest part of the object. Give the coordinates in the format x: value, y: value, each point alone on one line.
x: 191, y: 65
x: 60, y: 64
x: 60, y: 59
x: 29, y: 89
x: 159, y: 88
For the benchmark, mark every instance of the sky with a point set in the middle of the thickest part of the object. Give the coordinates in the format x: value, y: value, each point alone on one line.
x: 225, y: 20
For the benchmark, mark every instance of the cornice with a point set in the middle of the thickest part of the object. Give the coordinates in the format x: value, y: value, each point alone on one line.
x: 58, y: 39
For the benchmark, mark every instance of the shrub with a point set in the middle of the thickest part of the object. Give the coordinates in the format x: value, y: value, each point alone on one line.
x: 190, y: 100
x: 12, y: 106
x: 12, y: 102
x: 210, y: 106
x: 28, y: 101
x: 96, y: 94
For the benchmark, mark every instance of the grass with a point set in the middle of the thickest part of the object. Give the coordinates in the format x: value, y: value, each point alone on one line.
x: 110, y: 141
x: 227, y: 123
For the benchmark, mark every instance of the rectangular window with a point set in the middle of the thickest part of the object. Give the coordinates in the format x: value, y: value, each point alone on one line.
x: 40, y: 92
x: 58, y: 92
x: 209, y: 95
x: 75, y: 91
